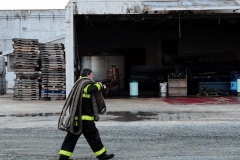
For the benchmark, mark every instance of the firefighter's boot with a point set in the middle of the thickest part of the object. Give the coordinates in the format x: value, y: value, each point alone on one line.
x: 106, y: 156
x: 64, y: 158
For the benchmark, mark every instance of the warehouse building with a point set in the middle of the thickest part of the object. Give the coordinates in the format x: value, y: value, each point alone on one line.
x: 196, y: 38
x: 196, y: 41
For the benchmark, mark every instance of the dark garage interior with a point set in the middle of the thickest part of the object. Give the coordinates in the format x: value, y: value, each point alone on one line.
x: 204, y: 46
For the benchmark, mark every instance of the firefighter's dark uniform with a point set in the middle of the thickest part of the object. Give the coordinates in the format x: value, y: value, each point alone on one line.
x: 89, y: 129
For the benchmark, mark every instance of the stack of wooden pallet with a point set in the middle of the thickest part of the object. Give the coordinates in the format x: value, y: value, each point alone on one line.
x: 53, y: 83
x: 26, y: 68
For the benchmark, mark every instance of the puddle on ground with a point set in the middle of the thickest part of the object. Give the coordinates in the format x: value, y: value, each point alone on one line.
x: 30, y: 115
x: 128, y: 116
x: 115, y: 116
x: 133, y: 115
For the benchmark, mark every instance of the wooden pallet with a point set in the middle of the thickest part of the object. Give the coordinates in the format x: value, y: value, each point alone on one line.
x: 23, y: 48
x: 55, y: 88
x: 53, y: 84
x: 57, y: 68
x: 52, y: 56
x: 27, y: 90
x: 25, y: 53
x: 45, y: 82
x: 46, y: 70
x: 16, y: 50
x: 43, y: 52
x: 30, y: 73
x: 52, y: 61
x: 26, y: 86
x: 25, y: 45
x: 26, y: 98
x: 26, y: 77
x: 17, y: 94
x: 26, y: 56
x: 24, y: 70
x: 25, y: 94
x: 41, y: 48
x: 53, y: 91
x: 56, y: 95
x: 26, y: 60
x: 51, y: 74
x: 29, y: 77
x: 25, y: 41
x: 53, y: 65
x: 53, y: 69
x: 26, y: 81
x: 53, y: 98
x: 56, y: 78
x: 51, y: 44
x: 32, y: 63
x: 26, y: 64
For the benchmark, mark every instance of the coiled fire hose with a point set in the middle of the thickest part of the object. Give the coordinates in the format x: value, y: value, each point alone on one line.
x: 73, y: 101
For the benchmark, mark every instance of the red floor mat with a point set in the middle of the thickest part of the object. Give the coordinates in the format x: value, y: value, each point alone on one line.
x: 202, y: 100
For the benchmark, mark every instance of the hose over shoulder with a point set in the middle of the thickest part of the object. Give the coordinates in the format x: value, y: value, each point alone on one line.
x: 70, y: 108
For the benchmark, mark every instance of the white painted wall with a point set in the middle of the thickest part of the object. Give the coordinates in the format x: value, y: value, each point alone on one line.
x: 31, y: 24
x: 44, y: 25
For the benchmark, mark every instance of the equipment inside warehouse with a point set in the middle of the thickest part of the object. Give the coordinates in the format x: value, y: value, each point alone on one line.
x: 200, y: 47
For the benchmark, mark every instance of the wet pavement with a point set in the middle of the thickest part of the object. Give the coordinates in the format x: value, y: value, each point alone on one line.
x: 191, y: 108
x: 171, y: 128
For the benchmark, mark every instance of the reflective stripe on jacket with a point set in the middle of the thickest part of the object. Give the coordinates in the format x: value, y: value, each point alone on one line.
x: 84, y: 118
x: 89, y: 88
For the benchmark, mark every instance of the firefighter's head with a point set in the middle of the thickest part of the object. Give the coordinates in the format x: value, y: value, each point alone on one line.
x: 87, y: 73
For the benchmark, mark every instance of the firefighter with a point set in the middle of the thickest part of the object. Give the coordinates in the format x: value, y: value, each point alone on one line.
x: 89, y: 129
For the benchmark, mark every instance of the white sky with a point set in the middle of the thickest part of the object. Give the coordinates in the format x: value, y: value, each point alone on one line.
x: 32, y: 4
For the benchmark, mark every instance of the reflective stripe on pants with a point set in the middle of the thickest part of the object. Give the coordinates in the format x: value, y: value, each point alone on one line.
x: 98, y: 153
x: 65, y: 153
x: 92, y: 136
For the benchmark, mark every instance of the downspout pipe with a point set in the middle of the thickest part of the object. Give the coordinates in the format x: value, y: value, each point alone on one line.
x: 21, y: 24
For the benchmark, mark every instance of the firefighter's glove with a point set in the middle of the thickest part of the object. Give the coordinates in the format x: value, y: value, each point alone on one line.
x: 96, y: 118
x: 102, y: 85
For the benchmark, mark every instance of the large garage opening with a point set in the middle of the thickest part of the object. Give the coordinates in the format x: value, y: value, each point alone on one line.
x: 148, y: 47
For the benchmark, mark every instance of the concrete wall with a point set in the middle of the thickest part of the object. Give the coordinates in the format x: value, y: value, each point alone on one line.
x: 44, y: 25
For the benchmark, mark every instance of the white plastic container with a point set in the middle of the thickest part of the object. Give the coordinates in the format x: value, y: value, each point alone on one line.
x: 163, y: 89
